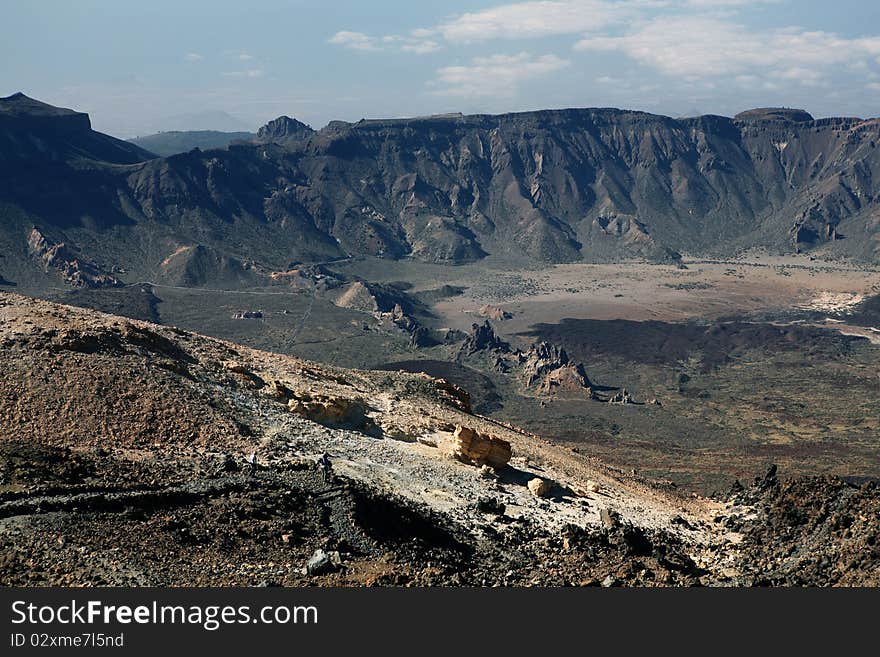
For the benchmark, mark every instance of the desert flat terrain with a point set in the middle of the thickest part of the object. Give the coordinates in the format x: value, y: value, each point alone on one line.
x: 641, y: 291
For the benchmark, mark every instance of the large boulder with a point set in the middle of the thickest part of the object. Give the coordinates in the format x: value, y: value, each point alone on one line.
x: 335, y: 412
x: 469, y: 446
x: 539, y: 487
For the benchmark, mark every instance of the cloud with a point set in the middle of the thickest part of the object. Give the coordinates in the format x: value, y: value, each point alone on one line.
x: 535, y: 18
x: 418, y: 45
x: 495, y: 75
x: 703, y: 49
x: 193, y: 57
x: 523, y: 20
x: 245, y: 56
x: 250, y: 73
x: 694, y: 47
x: 355, y: 41
x: 421, y: 47
x: 538, y: 19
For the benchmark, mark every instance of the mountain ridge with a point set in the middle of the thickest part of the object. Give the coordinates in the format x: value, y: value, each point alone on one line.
x: 544, y: 186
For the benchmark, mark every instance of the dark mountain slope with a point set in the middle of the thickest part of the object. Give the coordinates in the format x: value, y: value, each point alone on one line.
x: 547, y: 186
x: 562, y: 185
x: 34, y: 133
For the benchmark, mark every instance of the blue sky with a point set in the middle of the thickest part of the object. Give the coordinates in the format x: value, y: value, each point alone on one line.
x: 138, y: 67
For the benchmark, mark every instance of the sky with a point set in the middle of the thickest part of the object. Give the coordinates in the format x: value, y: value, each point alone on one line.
x: 138, y: 67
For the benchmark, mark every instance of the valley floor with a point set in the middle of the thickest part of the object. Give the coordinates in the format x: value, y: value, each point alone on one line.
x: 753, y: 360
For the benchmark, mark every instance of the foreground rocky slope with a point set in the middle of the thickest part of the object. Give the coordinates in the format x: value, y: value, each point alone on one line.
x: 547, y: 186
x: 124, y: 460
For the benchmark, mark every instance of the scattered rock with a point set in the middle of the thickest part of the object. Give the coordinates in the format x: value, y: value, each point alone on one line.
x: 320, y: 563
x: 422, y: 337
x: 539, y: 487
x: 610, y: 519
x: 487, y: 472
x: 490, y: 505
x: 279, y: 392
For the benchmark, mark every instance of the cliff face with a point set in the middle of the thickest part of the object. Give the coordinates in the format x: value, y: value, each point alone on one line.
x: 548, y: 186
x: 572, y: 184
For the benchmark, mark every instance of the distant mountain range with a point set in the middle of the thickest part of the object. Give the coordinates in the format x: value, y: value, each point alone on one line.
x: 174, y: 142
x: 533, y: 187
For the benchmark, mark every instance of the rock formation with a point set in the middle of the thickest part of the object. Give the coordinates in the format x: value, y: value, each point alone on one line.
x: 469, y: 446
x: 621, y: 397
x: 73, y: 269
x: 337, y: 412
x: 483, y: 338
x: 549, y: 368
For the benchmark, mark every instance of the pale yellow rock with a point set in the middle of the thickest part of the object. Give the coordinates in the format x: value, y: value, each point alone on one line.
x: 468, y: 446
x: 337, y: 412
x: 539, y: 487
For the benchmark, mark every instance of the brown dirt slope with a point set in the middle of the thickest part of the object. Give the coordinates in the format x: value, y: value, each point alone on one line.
x: 123, y: 460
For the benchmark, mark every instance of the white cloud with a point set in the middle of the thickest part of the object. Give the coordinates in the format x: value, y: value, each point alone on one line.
x: 193, y: 57
x: 496, y: 75
x: 530, y: 19
x: 364, y: 42
x: 874, y: 86
x: 245, y: 56
x: 250, y: 73
x: 421, y: 47
x: 698, y: 47
x: 423, y: 33
x: 355, y: 41
x: 535, y: 19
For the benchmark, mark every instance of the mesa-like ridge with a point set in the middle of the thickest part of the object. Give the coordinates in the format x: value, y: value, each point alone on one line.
x: 545, y: 186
